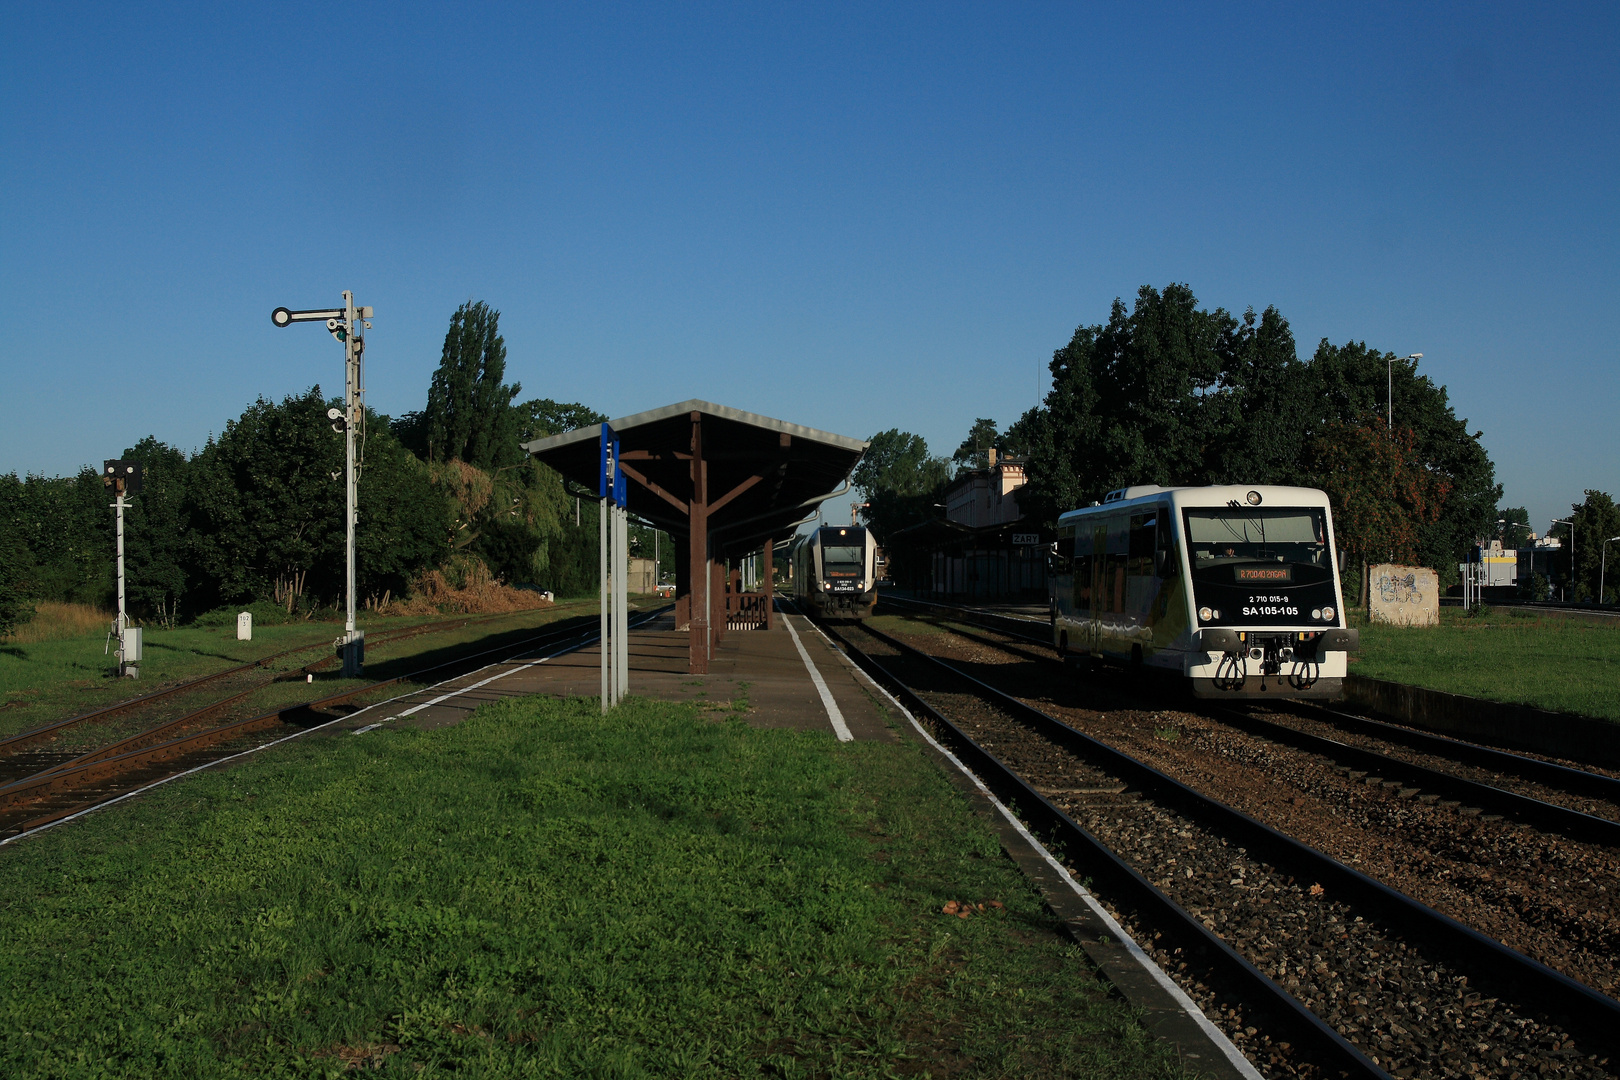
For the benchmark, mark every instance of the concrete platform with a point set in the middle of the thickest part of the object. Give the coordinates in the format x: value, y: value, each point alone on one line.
x: 761, y: 671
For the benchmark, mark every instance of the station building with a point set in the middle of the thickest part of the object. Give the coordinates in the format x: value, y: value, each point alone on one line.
x: 984, y: 547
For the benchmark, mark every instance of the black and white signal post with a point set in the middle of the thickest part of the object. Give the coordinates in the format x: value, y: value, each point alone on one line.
x: 123, y: 478
x: 341, y: 323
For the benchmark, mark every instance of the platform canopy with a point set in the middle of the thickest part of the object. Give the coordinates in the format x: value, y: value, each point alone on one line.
x: 724, y: 482
x: 764, y: 476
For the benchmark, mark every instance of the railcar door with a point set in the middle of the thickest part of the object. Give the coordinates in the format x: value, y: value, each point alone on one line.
x: 1100, y: 585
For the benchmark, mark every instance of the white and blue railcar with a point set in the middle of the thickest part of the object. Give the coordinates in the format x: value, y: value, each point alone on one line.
x: 834, y: 572
x: 1233, y: 589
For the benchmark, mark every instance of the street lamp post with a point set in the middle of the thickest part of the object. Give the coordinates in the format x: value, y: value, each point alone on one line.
x: 1603, y: 565
x: 1389, y: 387
x: 1571, y: 524
x: 341, y: 323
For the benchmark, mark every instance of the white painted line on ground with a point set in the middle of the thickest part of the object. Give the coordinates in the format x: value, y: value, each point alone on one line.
x: 840, y: 728
x: 1190, y: 1007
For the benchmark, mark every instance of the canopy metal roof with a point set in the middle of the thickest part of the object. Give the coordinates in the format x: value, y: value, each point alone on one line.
x: 764, y: 476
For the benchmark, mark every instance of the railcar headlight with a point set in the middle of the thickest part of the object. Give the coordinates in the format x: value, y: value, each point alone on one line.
x: 1327, y: 613
x: 1316, y: 613
x: 1217, y: 613
x: 1253, y: 498
x: 1205, y: 614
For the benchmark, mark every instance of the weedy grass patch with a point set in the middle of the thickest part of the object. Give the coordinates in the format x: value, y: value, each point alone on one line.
x: 543, y: 891
x: 1502, y: 654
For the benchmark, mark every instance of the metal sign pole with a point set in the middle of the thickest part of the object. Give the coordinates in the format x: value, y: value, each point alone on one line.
x: 621, y: 582
x: 621, y: 607
x: 607, y: 538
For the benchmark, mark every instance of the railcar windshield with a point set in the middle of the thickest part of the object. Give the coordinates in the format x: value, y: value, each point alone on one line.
x: 842, y: 560
x: 1254, y: 566
x: 1257, y: 544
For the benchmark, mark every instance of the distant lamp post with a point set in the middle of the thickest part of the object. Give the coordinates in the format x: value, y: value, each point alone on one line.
x: 1603, y: 565
x: 1389, y: 387
x: 1571, y: 524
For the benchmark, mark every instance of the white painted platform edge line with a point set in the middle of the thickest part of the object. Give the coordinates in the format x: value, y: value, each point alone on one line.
x: 1242, y: 1064
x: 462, y: 690
x: 265, y: 746
x: 840, y: 728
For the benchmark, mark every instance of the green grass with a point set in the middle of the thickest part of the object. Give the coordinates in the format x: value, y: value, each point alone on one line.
x: 1502, y: 654
x: 541, y: 891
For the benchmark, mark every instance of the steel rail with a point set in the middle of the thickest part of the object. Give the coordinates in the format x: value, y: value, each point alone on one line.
x: 1563, y: 777
x: 120, y: 756
x: 45, y: 731
x: 1546, y: 816
x: 1127, y: 884
x: 1539, y: 813
x: 992, y: 620
x: 1552, y: 991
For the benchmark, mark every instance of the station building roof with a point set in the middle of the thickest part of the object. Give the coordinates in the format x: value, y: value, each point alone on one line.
x: 763, y: 476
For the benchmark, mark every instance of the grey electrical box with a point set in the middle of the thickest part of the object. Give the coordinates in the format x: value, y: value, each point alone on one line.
x: 132, y: 644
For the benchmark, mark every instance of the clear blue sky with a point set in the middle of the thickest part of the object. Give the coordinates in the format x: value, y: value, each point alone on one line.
x: 856, y: 217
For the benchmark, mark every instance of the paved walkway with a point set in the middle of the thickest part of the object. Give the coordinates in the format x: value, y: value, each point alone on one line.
x: 789, y: 676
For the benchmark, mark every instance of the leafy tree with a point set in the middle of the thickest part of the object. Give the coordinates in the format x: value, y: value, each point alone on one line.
x: 267, y: 499
x: 540, y: 417
x: 1383, y: 494
x: 898, y: 462
x: 1351, y: 382
x: 16, y: 567
x: 469, y: 415
x: 157, y: 531
x: 67, y: 528
x: 1596, y: 520
x: 1130, y: 402
x: 401, y: 517
x: 901, y: 482
x: 1261, y: 412
x: 982, y: 437
x: 1167, y: 393
x: 1512, y: 528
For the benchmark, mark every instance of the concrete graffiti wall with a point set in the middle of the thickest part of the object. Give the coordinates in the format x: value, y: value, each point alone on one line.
x: 1403, y: 595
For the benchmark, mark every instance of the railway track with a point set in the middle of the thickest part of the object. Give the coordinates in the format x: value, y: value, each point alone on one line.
x: 13, y: 744
x: 52, y: 786
x: 1555, y: 796
x: 1421, y: 992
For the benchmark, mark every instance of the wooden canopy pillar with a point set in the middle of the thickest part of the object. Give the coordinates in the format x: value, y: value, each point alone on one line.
x: 699, y: 640
x: 768, y: 562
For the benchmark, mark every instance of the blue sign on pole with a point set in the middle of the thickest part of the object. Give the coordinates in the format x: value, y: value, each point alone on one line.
x: 611, y: 481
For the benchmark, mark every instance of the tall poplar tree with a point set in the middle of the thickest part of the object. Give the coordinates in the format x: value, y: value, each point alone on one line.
x: 469, y: 415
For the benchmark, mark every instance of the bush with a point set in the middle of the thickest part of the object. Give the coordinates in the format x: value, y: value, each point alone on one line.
x: 264, y: 612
